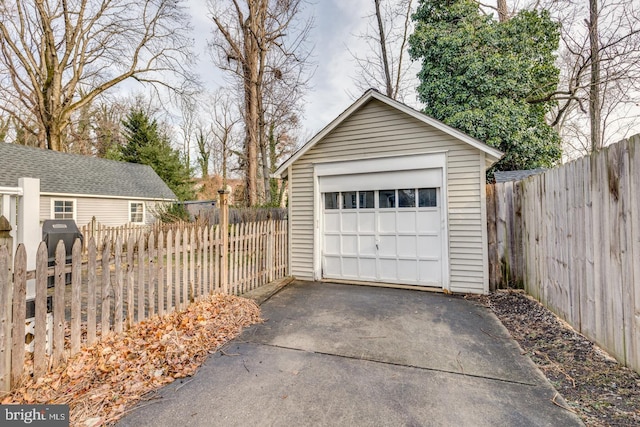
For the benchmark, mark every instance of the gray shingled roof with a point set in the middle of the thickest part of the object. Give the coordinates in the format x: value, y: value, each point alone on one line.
x: 64, y: 173
x: 506, y: 176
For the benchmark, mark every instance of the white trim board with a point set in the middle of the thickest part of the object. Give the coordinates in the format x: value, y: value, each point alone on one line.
x: 97, y: 196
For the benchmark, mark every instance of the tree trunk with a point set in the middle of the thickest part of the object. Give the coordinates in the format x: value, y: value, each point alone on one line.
x: 265, y: 172
x: 54, y: 137
x: 594, y: 86
x: 383, y: 47
x: 252, y: 122
x: 503, y: 10
x: 253, y: 28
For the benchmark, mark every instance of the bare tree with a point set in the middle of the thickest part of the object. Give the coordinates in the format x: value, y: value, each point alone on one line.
x: 224, y: 119
x: 189, y: 126
x: 600, y: 70
x: 252, y: 39
x: 204, y: 151
x: 386, y: 65
x: 282, y: 117
x: 57, y: 56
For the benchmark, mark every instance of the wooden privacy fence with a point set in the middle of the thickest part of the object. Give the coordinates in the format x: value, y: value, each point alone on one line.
x: 572, y: 237
x: 123, y: 282
x: 504, y: 226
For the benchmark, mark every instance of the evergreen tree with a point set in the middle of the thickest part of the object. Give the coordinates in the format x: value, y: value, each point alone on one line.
x: 147, y: 145
x: 490, y: 79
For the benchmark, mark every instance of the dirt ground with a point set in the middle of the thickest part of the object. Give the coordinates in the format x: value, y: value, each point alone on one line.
x: 595, y: 386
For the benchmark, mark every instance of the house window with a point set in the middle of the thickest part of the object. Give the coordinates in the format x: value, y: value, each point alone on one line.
x: 136, y: 212
x: 63, y: 209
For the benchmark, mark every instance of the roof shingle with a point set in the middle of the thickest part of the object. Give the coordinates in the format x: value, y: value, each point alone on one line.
x: 64, y: 173
x: 518, y: 175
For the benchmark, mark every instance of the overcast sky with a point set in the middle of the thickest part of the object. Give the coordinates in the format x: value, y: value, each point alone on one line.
x: 332, y: 89
x: 337, y: 23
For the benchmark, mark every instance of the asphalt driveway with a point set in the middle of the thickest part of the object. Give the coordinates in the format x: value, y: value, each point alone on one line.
x: 343, y: 355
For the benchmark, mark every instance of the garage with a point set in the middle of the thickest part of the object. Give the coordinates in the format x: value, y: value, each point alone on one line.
x: 387, y: 195
x: 381, y: 223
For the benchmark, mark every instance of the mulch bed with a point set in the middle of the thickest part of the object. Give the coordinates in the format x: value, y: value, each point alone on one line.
x: 595, y: 386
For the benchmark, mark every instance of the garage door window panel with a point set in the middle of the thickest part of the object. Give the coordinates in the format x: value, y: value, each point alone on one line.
x: 349, y: 200
x: 427, y: 198
x: 366, y: 199
x: 387, y: 199
x: 331, y: 200
x: 407, y: 198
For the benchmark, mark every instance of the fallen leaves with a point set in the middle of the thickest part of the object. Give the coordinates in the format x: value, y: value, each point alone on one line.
x: 600, y: 390
x: 103, y: 380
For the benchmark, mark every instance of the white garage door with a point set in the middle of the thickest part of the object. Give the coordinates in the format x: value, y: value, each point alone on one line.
x: 390, y: 234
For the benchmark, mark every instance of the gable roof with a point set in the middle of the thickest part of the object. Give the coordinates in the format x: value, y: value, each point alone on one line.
x: 72, y: 174
x: 493, y: 154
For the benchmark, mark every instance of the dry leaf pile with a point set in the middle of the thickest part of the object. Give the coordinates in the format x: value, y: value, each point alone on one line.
x: 101, y: 381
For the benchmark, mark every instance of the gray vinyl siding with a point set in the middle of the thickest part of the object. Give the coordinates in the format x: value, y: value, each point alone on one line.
x: 377, y: 130
x: 109, y: 212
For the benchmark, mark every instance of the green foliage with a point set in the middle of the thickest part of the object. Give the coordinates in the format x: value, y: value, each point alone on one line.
x: 490, y: 79
x: 146, y: 144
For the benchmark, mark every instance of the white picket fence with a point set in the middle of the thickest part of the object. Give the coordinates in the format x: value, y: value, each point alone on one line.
x: 124, y: 281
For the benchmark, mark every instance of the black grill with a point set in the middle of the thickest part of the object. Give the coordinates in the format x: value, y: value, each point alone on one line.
x: 54, y: 230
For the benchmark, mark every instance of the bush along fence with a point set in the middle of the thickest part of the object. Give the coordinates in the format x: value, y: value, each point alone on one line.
x: 572, y: 236
x: 122, y: 282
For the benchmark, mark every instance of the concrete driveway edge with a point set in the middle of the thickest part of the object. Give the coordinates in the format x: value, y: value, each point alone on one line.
x: 263, y: 293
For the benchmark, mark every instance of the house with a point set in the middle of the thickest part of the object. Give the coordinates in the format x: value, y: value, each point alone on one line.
x: 80, y: 187
x: 387, y: 195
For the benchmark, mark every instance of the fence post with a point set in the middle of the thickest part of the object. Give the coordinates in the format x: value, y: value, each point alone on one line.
x: 270, y: 250
x: 6, y: 239
x: 6, y: 293
x: 224, y: 236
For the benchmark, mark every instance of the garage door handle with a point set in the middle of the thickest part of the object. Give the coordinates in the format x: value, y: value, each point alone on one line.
x: 377, y: 248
